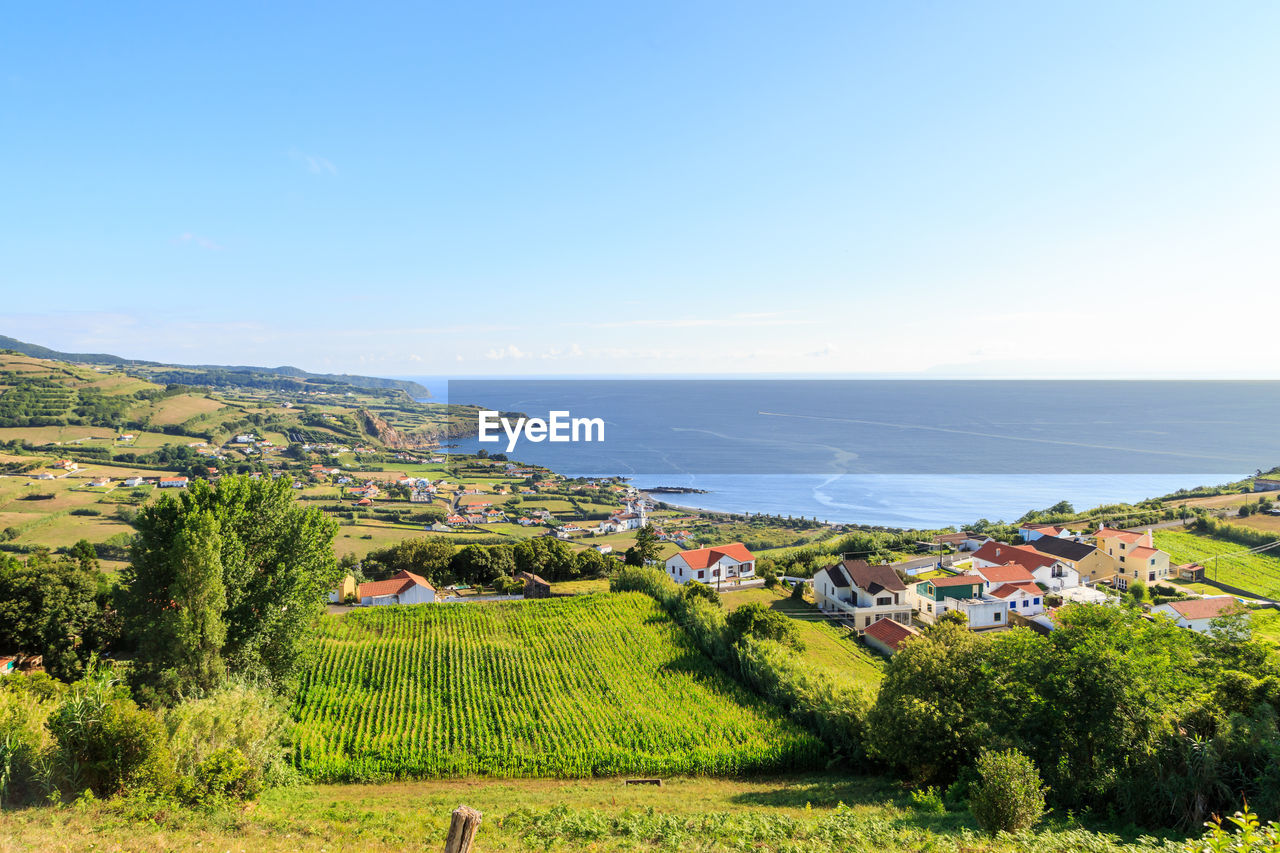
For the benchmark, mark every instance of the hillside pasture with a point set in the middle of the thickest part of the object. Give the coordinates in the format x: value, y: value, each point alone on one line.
x: 1257, y: 573
x: 585, y: 686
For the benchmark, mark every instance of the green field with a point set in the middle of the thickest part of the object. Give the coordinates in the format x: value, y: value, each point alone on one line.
x: 572, y: 687
x: 1266, y: 625
x: 1257, y: 573
x: 827, y: 647
x: 814, y: 813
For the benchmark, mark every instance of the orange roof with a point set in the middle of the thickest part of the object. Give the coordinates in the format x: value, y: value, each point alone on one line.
x: 1143, y: 552
x: 956, y: 580
x: 1122, y: 535
x: 700, y: 558
x: 1002, y: 554
x: 397, y: 584
x: 1008, y: 589
x: 1010, y: 573
x: 1206, y: 608
x: 889, y: 632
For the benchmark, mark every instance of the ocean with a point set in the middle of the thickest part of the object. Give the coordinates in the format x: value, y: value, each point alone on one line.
x: 895, y: 453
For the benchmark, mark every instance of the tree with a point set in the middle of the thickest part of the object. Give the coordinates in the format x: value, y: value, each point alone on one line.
x: 646, y: 546
x: 763, y: 623
x: 954, y: 617
x: 478, y: 565
x: 277, y: 566
x: 694, y: 589
x: 57, y: 609
x: 1008, y: 796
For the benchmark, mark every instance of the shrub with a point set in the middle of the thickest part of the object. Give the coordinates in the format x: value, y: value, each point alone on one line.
x: 86, y: 510
x: 25, y: 704
x: 928, y: 800
x: 104, y: 741
x: 1008, y: 796
x: 1250, y: 837
x: 797, y: 590
x: 238, y: 718
x: 224, y: 776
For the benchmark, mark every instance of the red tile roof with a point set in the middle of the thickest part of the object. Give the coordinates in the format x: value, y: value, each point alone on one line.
x: 956, y: 580
x: 700, y: 558
x: 1142, y: 552
x: 1206, y: 608
x: 1122, y: 535
x: 1002, y: 554
x: 1008, y: 589
x: 889, y: 632
x: 397, y: 584
x: 1011, y: 573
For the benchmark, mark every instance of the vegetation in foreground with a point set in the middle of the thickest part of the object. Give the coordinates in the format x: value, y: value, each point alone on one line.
x: 814, y: 814
x: 586, y: 686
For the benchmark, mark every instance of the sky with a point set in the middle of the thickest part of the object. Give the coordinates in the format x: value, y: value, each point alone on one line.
x: 921, y: 188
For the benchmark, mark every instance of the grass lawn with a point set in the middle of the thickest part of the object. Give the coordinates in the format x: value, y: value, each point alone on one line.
x: 818, y: 814
x: 1257, y: 573
x: 582, y: 587
x: 829, y: 647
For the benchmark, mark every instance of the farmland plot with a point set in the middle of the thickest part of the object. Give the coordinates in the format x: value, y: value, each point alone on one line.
x: 574, y: 687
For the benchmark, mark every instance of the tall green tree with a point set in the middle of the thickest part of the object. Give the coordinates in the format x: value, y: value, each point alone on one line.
x: 58, y: 609
x: 277, y: 565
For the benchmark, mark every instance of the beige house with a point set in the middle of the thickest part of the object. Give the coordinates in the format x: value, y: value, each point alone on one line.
x: 1135, y: 554
x: 1092, y: 563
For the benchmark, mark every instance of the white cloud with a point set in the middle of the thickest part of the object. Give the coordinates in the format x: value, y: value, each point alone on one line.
x: 315, y: 165
x: 187, y: 238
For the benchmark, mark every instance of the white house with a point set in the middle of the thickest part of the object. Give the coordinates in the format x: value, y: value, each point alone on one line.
x: 134, y: 481
x: 402, y: 588
x: 1048, y: 570
x: 1024, y: 598
x: 1198, y: 613
x: 1032, y: 532
x: 173, y: 482
x: 730, y: 562
x: 863, y: 592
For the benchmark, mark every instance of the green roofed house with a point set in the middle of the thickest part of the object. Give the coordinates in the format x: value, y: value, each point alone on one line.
x: 936, y: 596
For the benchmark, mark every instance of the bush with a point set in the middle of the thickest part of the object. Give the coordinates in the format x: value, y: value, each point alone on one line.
x: 203, y: 734
x: 104, y: 741
x: 25, y: 704
x: 928, y: 800
x: 797, y: 590
x: 1008, y: 796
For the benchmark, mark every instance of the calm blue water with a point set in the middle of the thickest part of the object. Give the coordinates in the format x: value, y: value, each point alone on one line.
x: 917, y: 453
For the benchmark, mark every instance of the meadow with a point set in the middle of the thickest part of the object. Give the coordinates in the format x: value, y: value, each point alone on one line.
x: 828, y: 647
x: 812, y: 813
x: 571, y: 687
x: 1257, y: 573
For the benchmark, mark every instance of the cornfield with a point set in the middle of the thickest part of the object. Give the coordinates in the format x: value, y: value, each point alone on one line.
x: 572, y: 687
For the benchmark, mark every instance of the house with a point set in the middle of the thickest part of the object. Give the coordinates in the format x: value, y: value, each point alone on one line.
x: 8, y: 664
x: 732, y: 562
x: 246, y: 438
x: 604, y: 549
x: 1135, y: 554
x: 455, y: 519
x: 863, y: 592
x: 1198, y: 613
x: 994, y: 576
x: 44, y: 475
x: 133, y: 481
x: 173, y: 482
x: 1091, y: 563
x: 1266, y: 484
x: 1032, y: 532
x: 99, y: 482
x: 964, y: 593
x: 364, y: 502
x: 345, y: 590
x: 401, y: 588
x: 887, y: 636
x: 64, y: 465
x: 534, y: 586
x: 1048, y: 570
x: 962, y: 541
x: 1026, y: 599
x: 420, y: 496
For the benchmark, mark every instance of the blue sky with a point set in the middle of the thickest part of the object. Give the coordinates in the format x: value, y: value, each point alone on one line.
x: 1003, y: 189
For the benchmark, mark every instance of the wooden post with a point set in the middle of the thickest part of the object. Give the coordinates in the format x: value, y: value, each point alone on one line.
x: 462, y: 830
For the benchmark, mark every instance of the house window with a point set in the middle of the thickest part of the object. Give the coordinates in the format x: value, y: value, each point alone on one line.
x: 1035, y: 601
x: 1122, y: 559
x: 1013, y: 604
x: 883, y: 601
x: 996, y: 618
x: 701, y: 575
x: 1151, y: 576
